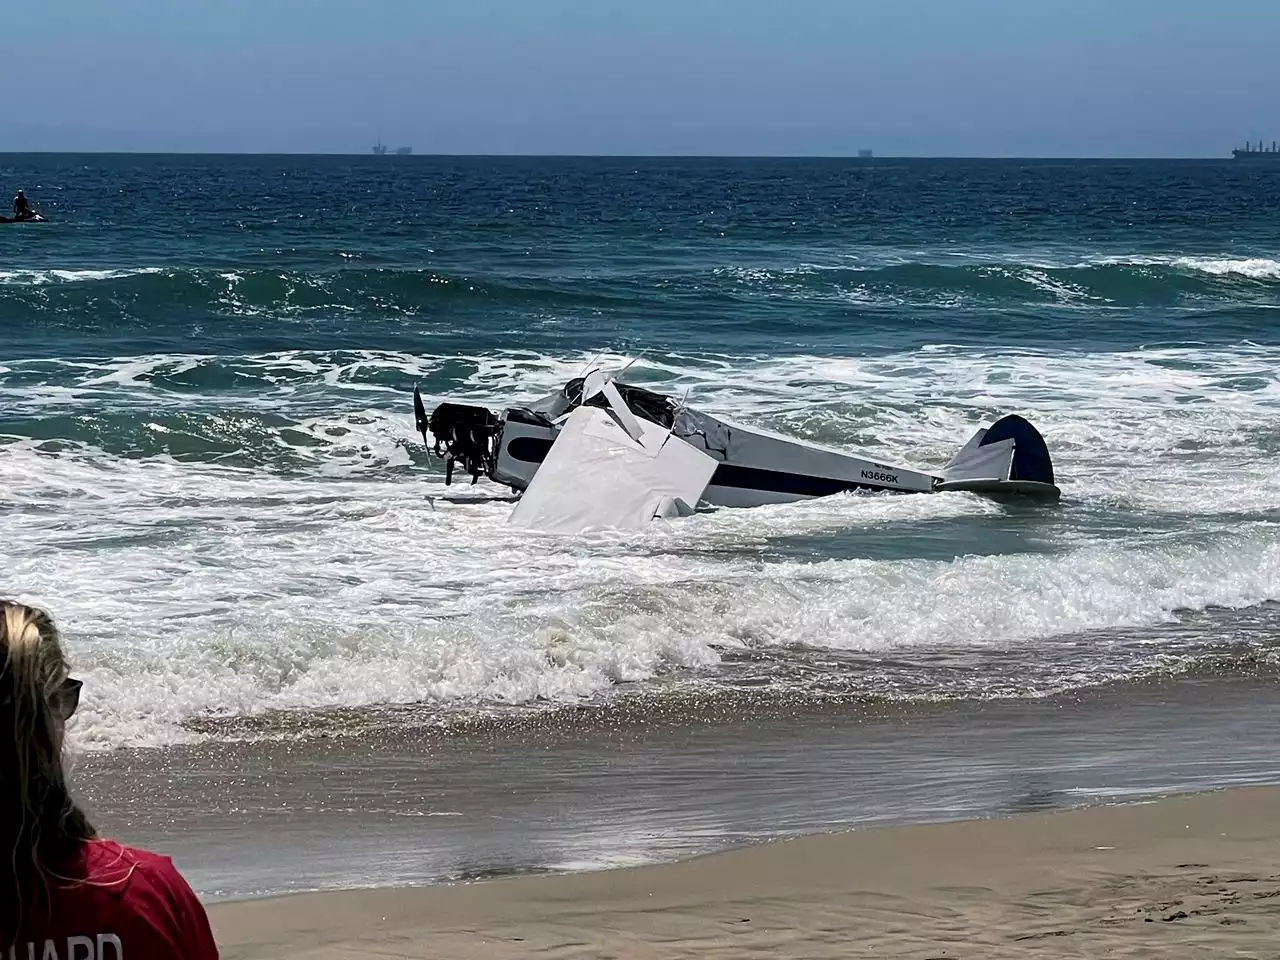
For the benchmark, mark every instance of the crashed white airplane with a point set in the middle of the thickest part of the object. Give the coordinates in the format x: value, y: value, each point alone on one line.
x: 599, y: 453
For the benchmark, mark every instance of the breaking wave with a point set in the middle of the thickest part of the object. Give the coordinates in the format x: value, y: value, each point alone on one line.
x: 1121, y: 281
x: 98, y: 300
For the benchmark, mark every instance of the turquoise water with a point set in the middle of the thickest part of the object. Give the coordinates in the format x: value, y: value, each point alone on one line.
x: 208, y: 466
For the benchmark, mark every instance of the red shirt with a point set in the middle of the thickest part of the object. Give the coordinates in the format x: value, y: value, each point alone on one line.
x: 123, y: 904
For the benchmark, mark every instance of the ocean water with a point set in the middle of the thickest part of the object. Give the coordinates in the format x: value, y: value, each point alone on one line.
x: 209, y: 470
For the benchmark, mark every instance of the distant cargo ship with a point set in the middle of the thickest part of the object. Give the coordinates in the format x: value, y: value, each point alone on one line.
x: 380, y: 149
x: 1257, y: 151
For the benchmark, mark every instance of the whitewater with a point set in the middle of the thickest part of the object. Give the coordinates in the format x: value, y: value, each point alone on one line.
x: 314, y: 564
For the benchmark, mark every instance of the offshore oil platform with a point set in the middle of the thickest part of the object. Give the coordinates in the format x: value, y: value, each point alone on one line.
x: 1257, y: 151
x: 380, y: 149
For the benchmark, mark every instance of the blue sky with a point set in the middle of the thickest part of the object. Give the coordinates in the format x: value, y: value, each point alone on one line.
x: 905, y: 77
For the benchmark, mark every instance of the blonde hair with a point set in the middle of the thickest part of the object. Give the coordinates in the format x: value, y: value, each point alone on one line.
x: 41, y: 828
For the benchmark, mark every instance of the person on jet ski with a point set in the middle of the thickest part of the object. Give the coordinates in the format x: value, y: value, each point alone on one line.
x: 22, y: 207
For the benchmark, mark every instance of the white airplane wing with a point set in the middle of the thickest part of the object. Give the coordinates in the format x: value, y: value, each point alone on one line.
x: 600, y: 473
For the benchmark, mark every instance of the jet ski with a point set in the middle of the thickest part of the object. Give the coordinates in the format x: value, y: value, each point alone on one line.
x: 34, y: 218
x: 745, y: 466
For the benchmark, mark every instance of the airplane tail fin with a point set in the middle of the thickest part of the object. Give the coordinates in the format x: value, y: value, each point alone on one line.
x: 1009, y: 456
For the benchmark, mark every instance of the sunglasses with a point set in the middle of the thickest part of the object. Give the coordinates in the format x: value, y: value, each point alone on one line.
x: 67, y: 697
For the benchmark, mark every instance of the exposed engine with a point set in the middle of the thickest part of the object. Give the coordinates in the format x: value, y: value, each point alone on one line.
x: 463, y: 434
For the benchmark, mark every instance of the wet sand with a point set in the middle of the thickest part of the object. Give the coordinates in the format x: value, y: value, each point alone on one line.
x: 1190, y: 876
x: 402, y: 806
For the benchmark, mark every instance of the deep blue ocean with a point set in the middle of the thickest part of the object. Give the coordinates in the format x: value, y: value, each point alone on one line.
x: 209, y: 470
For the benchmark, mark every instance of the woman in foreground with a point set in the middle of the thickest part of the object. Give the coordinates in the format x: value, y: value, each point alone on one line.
x: 66, y: 893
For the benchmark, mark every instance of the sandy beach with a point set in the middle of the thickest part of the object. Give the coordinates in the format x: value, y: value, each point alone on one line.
x: 1188, y: 876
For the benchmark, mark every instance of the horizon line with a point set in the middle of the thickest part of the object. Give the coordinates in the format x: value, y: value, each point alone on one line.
x: 602, y: 156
